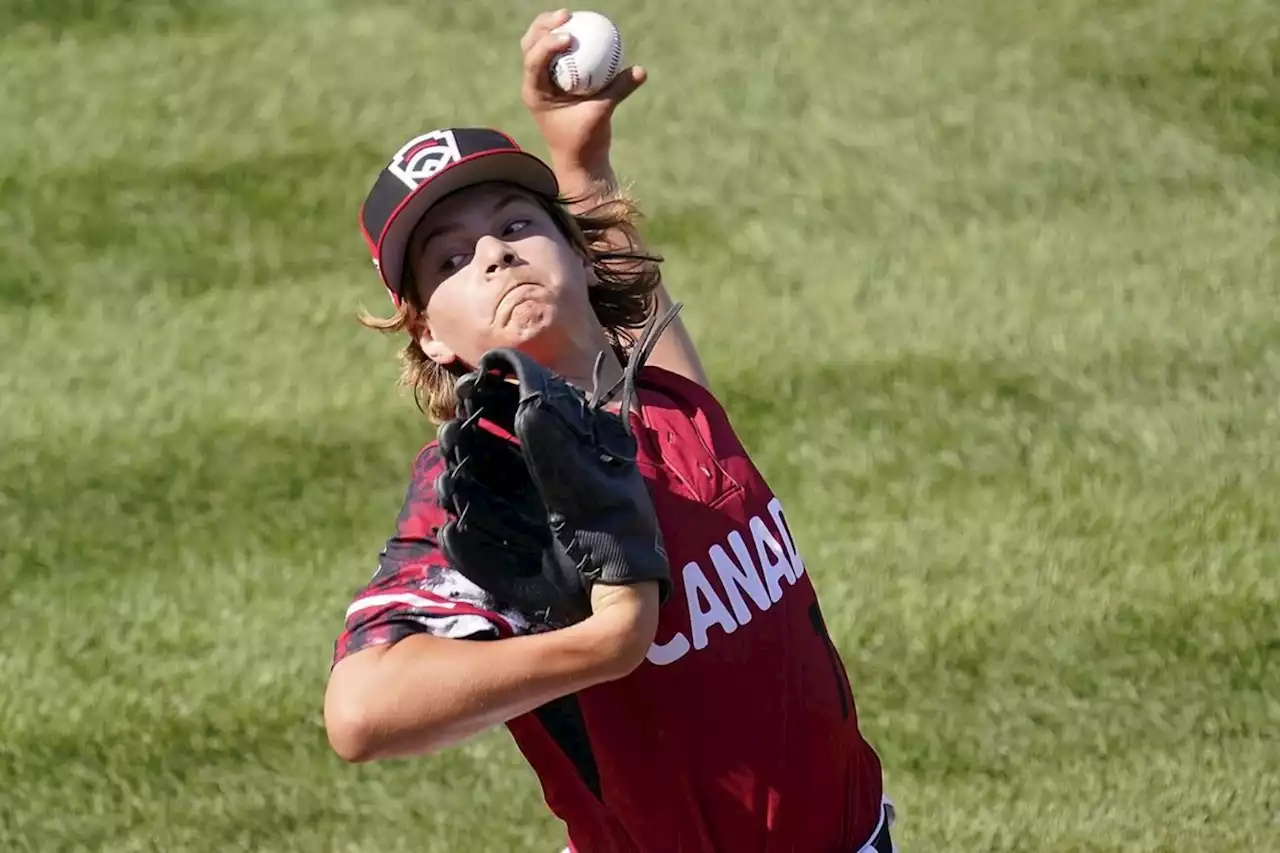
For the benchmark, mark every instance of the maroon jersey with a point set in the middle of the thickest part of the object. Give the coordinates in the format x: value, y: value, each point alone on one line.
x: 739, y: 732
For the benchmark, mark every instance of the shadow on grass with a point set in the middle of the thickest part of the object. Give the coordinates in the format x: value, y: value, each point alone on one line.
x: 894, y: 383
x: 1217, y: 75
x: 1135, y: 675
x: 106, y: 16
x: 903, y: 411
x: 190, y: 228
x: 133, y: 501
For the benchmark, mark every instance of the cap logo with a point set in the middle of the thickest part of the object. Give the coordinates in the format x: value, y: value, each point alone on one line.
x: 424, y: 156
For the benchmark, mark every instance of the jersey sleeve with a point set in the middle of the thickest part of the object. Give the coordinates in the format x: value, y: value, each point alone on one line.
x: 415, y: 590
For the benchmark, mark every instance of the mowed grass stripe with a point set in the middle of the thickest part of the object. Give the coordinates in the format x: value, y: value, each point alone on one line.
x: 1141, y: 678
x: 983, y: 735
x: 987, y: 592
x: 942, y: 606
x: 50, y: 18
x: 926, y: 384
x: 952, y: 426
x: 1126, y: 314
x: 126, y: 226
x: 269, y: 80
x: 1028, y: 812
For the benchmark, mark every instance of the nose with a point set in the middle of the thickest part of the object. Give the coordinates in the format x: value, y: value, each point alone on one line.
x: 496, y: 255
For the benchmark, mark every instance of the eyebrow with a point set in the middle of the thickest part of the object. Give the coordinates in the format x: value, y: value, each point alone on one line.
x: 441, y: 230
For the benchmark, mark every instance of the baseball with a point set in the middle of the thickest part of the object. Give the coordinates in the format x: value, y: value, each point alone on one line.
x: 593, y: 58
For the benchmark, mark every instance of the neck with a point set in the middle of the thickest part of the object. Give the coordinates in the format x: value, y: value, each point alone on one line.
x: 576, y: 364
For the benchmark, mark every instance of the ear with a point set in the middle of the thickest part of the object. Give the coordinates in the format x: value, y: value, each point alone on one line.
x: 437, y: 352
x: 432, y: 348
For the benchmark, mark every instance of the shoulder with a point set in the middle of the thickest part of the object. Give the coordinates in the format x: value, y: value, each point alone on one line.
x: 414, y: 589
x: 687, y: 444
x: 426, y: 469
x: 677, y: 404
x: 659, y: 380
x: 420, y: 516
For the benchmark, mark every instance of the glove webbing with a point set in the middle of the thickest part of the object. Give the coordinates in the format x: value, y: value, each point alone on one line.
x: 640, y: 353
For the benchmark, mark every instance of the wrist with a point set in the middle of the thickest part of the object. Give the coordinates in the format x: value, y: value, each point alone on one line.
x: 582, y: 160
x: 622, y: 626
x: 584, y: 175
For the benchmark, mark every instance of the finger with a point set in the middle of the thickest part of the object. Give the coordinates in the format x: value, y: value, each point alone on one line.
x: 537, y: 59
x: 622, y: 86
x: 537, y: 27
x: 542, y: 24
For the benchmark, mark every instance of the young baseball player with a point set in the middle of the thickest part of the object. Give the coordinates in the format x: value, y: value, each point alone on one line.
x: 697, y: 708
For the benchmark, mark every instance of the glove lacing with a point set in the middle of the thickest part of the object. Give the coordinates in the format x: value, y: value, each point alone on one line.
x: 640, y: 353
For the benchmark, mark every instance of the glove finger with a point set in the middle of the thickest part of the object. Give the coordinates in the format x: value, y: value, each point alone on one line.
x: 465, y: 436
x: 464, y: 389
x: 497, y: 400
x: 451, y: 443
x: 448, y: 439
x: 447, y: 492
x: 491, y: 459
x: 511, y: 512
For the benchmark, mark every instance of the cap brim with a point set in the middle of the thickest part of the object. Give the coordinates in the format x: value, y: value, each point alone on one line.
x: 512, y: 167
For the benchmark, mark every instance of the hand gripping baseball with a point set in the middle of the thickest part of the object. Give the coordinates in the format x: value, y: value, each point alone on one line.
x: 539, y: 519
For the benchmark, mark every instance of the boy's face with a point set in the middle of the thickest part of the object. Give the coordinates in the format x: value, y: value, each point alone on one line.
x: 493, y: 269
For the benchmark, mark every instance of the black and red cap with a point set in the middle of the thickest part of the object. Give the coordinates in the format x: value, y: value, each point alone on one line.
x: 425, y: 170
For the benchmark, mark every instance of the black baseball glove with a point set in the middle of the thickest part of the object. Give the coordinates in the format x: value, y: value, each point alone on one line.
x: 551, y: 502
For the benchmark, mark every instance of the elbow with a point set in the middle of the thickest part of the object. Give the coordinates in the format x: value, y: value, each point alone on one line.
x: 362, y: 725
x: 350, y: 729
x: 353, y: 716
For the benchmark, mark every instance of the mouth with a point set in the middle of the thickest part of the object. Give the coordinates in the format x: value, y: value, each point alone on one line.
x: 507, y: 304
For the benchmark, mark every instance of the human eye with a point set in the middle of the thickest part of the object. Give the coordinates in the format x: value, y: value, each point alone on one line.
x: 515, y: 226
x: 453, y: 263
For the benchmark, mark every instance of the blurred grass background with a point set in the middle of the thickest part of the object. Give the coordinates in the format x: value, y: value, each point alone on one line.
x: 988, y: 287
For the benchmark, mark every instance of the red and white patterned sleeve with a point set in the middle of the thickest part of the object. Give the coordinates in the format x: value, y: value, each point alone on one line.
x: 415, y: 591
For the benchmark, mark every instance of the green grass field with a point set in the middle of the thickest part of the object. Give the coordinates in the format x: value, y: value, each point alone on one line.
x: 991, y: 289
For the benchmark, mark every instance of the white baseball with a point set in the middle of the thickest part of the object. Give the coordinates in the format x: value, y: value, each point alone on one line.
x: 593, y: 58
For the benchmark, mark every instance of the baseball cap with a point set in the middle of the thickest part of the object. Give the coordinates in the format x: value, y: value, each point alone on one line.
x: 426, y: 169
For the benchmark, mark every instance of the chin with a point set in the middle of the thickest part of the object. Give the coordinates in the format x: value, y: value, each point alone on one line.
x: 532, y: 325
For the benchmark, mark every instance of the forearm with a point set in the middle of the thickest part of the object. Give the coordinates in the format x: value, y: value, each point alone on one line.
x: 587, y: 182
x: 592, y: 182
x: 425, y: 693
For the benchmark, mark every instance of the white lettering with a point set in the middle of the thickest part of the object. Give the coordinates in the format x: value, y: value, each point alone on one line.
x: 773, y: 561
x: 739, y: 546
x: 661, y: 654
x: 759, y: 575
x: 738, y: 577
x: 696, y: 588
x: 793, y: 556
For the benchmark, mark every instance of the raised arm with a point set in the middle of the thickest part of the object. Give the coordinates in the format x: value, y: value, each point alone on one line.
x: 578, y: 133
